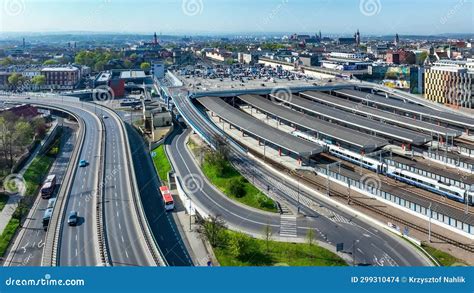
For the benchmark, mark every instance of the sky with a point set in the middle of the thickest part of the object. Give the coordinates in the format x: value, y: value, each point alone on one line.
x: 332, y: 17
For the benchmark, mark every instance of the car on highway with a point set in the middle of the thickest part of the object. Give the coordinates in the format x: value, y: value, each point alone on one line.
x: 72, y: 219
x: 105, y: 116
x: 83, y: 163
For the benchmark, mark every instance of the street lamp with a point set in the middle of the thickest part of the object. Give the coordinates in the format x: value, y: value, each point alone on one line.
x: 429, y: 223
x: 298, y: 194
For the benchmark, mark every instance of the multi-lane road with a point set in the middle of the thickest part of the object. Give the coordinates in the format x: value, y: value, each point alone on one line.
x: 372, y: 246
x: 79, y: 245
x: 106, y: 185
x: 27, y: 249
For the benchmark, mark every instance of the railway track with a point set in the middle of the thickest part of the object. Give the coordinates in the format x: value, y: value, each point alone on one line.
x: 436, y: 198
x: 322, y: 187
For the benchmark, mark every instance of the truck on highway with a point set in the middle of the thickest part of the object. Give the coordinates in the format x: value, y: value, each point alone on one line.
x: 48, y: 186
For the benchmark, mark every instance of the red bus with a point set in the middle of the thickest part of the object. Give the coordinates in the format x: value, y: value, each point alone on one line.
x: 167, y: 198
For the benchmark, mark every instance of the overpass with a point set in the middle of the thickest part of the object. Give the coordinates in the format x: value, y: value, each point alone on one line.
x: 111, y: 229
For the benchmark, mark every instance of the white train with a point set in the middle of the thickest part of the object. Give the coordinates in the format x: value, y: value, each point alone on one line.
x: 438, y: 187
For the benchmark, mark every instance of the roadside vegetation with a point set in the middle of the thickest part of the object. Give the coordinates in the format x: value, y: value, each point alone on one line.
x: 237, y: 249
x: 444, y: 258
x: 3, y: 200
x: 162, y: 165
x: 7, y: 234
x: 220, y: 172
x: 34, y: 176
x: 17, y: 136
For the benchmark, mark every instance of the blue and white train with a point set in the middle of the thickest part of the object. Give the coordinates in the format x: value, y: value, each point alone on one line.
x: 438, y: 187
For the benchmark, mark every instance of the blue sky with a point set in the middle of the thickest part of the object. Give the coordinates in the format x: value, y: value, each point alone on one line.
x: 233, y: 16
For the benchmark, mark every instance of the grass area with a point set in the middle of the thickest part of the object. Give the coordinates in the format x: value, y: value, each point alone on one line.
x: 3, y: 200
x: 242, y: 250
x: 227, y: 179
x: 7, y: 234
x: 444, y: 258
x: 36, y: 172
x: 161, y: 162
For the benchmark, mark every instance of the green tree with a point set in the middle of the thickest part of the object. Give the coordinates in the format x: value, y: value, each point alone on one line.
x: 213, y: 230
x: 15, y: 80
x: 38, y: 80
x: 50, y: 62
x: 99, y: 65
x: 267, y: 233
x: 236, y: 188
x: 6, y: 61
x: 23, y: 133
x: 145, y: 66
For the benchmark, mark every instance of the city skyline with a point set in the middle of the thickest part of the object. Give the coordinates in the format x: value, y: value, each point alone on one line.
x: 196, y: 17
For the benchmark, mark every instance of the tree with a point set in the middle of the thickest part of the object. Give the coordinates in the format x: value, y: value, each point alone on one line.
x: 6, y: 61
x: 38, y: 80
x: 15, y: 80
x: 240, y: 245
x: 23, y: 133
x: 100, y: 65
x: 236, y: 188
x: 268, y: 233
x: 213, y: 229
x: 310, y: 237
x: 50, y: 62
x: 127, y: 64
x: 39, y: 126
x: 145, y: 66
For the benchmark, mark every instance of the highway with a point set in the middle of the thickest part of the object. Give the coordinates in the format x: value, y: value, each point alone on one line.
x: 125, y: 241
x: 79, y: 245
x: 161, y: 223
x: 372, y: 246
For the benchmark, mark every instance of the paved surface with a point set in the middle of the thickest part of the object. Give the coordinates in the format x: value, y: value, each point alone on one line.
x: 126, y: 244
x: 373, y: 247
x: 79, y: 245
x: 161, y: 223
x: 27, y: 249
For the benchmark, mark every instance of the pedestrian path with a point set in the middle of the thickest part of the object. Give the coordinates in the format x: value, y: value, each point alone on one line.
x: 288, y: 226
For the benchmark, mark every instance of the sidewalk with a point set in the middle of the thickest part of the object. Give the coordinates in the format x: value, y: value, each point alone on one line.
x: 198, y: 249
x: 13, y: 200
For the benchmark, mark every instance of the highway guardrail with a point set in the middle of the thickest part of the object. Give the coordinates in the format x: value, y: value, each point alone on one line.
x: 100, y: 214
x: 51, y: 246
x: 150, y: 240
